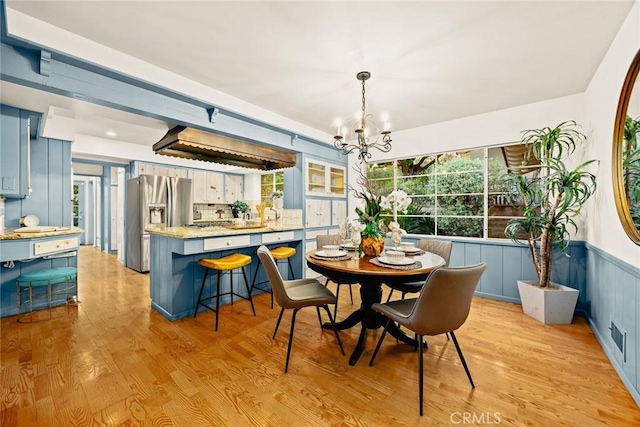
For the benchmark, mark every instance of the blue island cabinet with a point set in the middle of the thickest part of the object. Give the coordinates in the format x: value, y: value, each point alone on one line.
x: 176, y: 277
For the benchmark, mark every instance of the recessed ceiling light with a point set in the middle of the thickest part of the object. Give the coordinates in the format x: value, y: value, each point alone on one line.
x: 110, y: 134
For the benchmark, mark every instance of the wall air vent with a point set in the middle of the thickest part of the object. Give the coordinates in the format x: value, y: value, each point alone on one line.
x: 619, y: 339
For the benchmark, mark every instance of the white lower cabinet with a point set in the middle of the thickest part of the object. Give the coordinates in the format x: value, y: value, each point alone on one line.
x: 310, y: 245
x: 338, y: 212
x: 318, y: 213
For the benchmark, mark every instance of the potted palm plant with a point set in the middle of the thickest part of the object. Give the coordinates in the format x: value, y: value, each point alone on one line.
x: 550, y: 197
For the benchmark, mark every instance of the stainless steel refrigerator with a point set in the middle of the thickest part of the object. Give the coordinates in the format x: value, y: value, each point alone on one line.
x: 154, y: 200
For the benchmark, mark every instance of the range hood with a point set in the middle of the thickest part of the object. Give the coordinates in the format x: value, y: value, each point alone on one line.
x: 189, y: 143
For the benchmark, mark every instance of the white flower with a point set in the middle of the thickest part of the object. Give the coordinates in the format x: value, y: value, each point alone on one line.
x: 397, y: 199
x: 394, y: 226
x: 385, y: 203
x: 404, y: 205
x: 356, y: 226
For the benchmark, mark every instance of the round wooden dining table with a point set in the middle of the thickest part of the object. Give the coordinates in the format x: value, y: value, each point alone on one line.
x: 371, y: 277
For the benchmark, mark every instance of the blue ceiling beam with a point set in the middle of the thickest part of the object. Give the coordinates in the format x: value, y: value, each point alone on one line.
x: 24, y: 63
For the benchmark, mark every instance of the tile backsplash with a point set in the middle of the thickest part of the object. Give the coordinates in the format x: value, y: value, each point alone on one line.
x: 205, y: 211
x: 287, y: 217
x: 291, y: 217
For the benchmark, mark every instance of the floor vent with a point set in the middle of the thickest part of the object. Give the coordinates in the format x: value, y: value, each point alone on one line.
x: 618, y: 338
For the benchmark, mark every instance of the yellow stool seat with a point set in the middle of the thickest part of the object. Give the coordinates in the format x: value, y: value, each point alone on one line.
x: 224, y: 265
x: 282, y: 252
x: 228, y: 262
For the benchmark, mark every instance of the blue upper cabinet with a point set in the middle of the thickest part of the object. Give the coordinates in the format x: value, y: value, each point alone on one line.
x: 17, y: 129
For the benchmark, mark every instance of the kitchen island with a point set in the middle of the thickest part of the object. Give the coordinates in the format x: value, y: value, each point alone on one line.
x: 176, y: 277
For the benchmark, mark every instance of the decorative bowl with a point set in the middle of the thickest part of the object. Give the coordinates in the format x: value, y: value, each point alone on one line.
x: 331, y: 250
x: 394, y: 257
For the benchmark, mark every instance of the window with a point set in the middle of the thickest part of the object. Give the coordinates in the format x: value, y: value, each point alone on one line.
x: 453, y: 194
x: 381, y: 180
x: 269, y: 183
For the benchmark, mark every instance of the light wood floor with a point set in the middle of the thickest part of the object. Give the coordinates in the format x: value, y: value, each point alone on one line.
x: 115, y: 361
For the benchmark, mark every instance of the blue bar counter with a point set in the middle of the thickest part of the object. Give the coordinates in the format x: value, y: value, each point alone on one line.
x: 176, y: 277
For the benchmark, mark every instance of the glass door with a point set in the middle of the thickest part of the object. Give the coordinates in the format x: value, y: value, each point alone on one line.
x: 316, y: 178
x: 78, y: 208
x: 336, y: 181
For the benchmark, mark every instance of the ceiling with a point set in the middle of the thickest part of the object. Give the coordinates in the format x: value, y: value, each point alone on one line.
x: 430, y: 61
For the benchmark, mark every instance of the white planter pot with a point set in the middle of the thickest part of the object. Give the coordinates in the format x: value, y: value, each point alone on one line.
x: 549, y: 306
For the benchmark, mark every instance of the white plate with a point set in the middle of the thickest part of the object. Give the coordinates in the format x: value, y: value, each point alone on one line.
x: 410, y: 251
x: 29, y: 221
x: 403, y: 261
x: 349, y: 247
x: 336, y: 255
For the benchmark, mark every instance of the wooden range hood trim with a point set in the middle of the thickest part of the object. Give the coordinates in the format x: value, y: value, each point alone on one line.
x: 190, y: 143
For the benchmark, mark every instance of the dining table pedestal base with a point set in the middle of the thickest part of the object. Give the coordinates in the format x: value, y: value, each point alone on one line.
x: 369, y: 319
x: 371, y: 276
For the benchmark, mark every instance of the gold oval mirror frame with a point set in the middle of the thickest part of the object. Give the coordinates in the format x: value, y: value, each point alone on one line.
x: 620, y: 176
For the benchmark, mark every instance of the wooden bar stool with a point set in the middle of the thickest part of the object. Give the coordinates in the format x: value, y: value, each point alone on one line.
x: 281, y: 253
x: 224, y: 265
x: 64, y: 276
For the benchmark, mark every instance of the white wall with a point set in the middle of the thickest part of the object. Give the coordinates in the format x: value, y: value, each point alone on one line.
x: 498, y: 127
x: 495, y: 128
x: 603, y: 227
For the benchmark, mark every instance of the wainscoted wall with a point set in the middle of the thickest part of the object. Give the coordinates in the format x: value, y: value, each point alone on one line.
x: 612, y: 296
x: 508, y: 262
x: 608, y: 291
x: 50, y: 202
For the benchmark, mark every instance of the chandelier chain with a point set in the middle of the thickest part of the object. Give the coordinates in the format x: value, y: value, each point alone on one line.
x: 363, y: 105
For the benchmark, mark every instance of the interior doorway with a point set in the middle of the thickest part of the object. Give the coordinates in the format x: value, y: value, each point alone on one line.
x: 78, y: 219
x: 99, y: 191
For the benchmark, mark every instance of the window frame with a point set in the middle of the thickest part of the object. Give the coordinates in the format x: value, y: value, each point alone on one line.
x: 485, y: 194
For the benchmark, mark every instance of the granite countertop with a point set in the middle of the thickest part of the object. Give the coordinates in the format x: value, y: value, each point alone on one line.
x: 15, y: 234
x: 215, y: 231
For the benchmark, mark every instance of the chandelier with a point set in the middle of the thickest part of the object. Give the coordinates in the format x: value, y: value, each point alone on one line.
x: 363, y: 133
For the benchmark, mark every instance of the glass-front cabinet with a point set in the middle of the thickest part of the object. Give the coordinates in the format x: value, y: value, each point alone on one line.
x: 336, y: 181
x: 324, y: 179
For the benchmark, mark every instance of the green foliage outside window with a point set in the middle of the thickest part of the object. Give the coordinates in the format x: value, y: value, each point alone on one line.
x: 447, y: 191
x: 268, y: 184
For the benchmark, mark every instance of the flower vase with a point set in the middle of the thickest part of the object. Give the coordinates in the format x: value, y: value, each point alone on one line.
x: 278, y: 202
x: 372, y: 246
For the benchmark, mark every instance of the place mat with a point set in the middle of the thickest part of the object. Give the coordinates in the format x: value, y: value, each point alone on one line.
x: 333, y: 258
x: 415, y: 266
